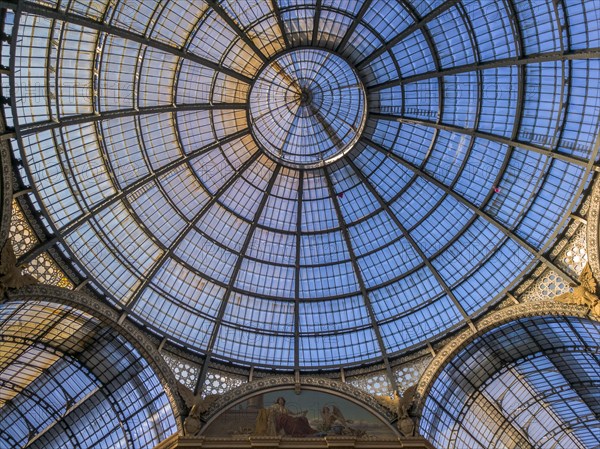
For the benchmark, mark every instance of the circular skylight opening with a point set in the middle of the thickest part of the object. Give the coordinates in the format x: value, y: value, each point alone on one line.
x: 307, y: 108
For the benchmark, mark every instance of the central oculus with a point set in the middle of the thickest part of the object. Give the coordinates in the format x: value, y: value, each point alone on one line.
x: 307, y: 108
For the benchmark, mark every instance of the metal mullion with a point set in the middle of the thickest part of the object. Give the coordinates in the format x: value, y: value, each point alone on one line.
x: 355, y: 21
x: 68, y: 228
x: 408, y: 31
x: 277, y: 12
x: 123, y: 113
x: 234, y: 274
x: 440, y: 85
x: 488, y: 65
x: 470, y: 147
x: 52, y: 29
x: 59, y: 420
x: 413, y: 243
x: 478, y: 394
x: 317, y: 19
x: 143, y: 145
x: 236, y: 28
x: 526, y: 384
x: 297, y: 272
x: 190, y: 225
x: 567, y: 379
x: 359, y: 278
x: 43, y: 11
x: 480, y: 212
x: 567, y: 426
x: 484, y: 135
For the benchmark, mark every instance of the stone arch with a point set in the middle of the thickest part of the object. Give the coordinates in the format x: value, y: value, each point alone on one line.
x: 593, y: 230
x: 495, y: 319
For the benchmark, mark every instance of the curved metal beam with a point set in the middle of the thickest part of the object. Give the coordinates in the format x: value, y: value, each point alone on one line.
x: 359, y: 278
x: 317, y: 19
x: 412, y: 242
x: 567, y: 55
x: 109, y: 318
x: 297, y: 272
x: 361, y: 13
x: 216, y: 7
x: 506, y: 231
x: 489, y: 323
x: 408, y: 31
x: 234, y: 274
x: 189, y: 226
x: 50, y: 13
x: 280, y: 22
x: 108, y: 115
x: 140, y: 183
x: 483, y: 135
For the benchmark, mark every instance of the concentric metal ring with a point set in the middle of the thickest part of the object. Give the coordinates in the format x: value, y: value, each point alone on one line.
x: 307, y: 108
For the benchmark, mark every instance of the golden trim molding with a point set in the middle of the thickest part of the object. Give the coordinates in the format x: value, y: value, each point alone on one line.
x: 178, y: 442
x: 6, y: 184
x: 332, y: 386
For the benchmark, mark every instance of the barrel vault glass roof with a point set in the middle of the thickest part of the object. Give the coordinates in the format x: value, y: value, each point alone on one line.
x: 530, y: 383
x: 132, y: 123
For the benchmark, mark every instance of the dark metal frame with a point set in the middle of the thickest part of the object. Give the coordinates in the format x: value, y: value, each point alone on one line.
x: 520, y: 61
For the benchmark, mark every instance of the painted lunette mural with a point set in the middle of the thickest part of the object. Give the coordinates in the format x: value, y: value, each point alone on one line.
x: 310, y: 414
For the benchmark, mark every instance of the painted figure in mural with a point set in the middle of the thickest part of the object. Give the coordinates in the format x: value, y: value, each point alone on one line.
x: 333, y: 419
x: 292, y: 424
x: 277, y: 420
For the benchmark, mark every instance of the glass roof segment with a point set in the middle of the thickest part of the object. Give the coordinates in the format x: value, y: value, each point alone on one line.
x: 341, y: 181
x: 534, y: 382
x: 68, y: 381
x: 307, y: 108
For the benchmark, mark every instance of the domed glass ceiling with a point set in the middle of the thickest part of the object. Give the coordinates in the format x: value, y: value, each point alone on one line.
x: 306, y: 183
x: 307, y: 108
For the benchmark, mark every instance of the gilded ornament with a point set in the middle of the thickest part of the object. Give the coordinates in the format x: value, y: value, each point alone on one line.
x: 584, y: 294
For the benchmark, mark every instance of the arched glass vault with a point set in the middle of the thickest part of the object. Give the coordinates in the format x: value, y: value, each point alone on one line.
x: 134, y: 131
x: 67, y: 380
x: 534, y: 382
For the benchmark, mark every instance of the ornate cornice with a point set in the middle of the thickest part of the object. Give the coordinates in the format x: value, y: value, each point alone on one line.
x: 486, y: 324
x: 593, y: 223
x: 202, y: 442
x: 107, y: 315
x: 313, y: 383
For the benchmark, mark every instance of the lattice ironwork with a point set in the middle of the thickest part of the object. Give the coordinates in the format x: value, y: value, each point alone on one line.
x: 547, y: 286
x: 375, y: 383
x: 46, y: 271
x: 409, y: 374
x: 218, y: 382
x: 574, y: 256
x: 21, y: 234
x: 185, y: 372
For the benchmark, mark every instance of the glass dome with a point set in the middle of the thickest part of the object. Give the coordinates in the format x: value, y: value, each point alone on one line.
x: 306, y: 184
